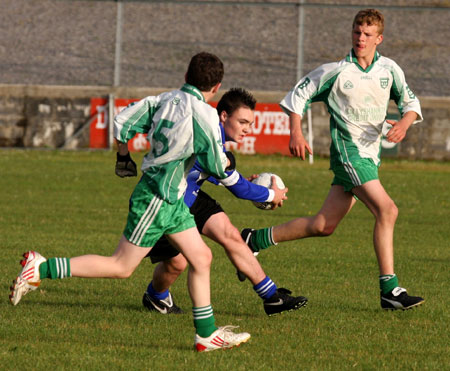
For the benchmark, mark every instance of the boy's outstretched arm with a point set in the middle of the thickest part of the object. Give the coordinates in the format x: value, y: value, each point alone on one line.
x: 297, y: 142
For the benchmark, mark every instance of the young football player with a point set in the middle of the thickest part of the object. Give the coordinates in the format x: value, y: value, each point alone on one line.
x: 236, y: 112
x: 182, y: 128
x: 356, y: 91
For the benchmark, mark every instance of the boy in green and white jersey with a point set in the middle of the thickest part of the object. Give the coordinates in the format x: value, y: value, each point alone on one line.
x: 356, y: 91
x: 181, y: 128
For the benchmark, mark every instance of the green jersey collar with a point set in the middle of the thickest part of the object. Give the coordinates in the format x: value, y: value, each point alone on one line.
x: 191, y: 89
x: 351, y: 57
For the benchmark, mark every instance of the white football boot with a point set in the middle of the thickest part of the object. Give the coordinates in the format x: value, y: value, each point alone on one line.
x: 29, y: 277
x: 222, y: 338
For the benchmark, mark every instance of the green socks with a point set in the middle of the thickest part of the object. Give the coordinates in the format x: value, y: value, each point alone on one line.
x: 55, y: 268
x: 262, y: 239
x: 388, y: 282
x: 204, y: 321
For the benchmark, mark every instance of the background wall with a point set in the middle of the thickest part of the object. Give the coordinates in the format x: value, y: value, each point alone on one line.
x: 58, y: 117
x: 54, y: 50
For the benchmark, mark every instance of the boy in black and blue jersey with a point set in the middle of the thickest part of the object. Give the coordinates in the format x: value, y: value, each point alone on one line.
x: 236, y: 115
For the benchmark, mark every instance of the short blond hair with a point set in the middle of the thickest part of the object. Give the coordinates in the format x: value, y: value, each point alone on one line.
x: 370, y: 17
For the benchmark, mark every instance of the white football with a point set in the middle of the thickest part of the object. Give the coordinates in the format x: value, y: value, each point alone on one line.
x: 265, y: 180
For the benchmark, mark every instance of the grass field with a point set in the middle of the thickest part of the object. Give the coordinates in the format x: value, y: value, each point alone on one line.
x: 71, y: 203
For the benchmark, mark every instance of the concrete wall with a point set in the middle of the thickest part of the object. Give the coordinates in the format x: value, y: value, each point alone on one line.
x: 58, y: 117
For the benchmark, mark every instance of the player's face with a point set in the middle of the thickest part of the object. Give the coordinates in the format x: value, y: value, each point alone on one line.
x: 365, y: 39
x: 238, y: 124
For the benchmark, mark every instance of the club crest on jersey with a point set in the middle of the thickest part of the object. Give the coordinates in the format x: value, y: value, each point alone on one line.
x: 176, y: 101
x: 384, y: 81
x: 348, y: 85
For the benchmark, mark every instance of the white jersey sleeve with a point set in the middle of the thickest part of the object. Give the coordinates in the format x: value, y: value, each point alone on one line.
x: 136, y: 118
x: 314, y: 87
x: 400, y: 92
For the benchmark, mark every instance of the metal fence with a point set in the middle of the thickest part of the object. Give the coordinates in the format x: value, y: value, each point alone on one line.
x: 265, y: 45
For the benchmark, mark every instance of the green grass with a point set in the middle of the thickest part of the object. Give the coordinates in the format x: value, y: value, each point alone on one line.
x: 71, y: 203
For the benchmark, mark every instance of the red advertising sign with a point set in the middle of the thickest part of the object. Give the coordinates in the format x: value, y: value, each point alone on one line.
x: 270, y: 132
x: 99, y: 126
x: 99, y: 130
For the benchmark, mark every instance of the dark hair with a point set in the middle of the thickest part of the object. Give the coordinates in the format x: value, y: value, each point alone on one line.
x: 370, y: 17
x: 205, y: 71
x: 234, y: 99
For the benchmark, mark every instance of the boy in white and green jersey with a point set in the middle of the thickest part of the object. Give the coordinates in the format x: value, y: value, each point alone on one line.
x: 357, y: 101
x: 356, y: 91
x: 182, y: 128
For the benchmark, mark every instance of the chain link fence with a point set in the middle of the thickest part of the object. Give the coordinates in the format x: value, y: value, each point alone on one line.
x: 265, y: 45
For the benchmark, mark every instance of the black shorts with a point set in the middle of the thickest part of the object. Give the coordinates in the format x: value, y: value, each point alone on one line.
x: 203, y: 208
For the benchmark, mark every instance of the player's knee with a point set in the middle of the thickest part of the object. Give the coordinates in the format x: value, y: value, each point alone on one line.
x: 203, y: 260
x: 229, y: 237
x: 390, y: 212
x: 233, y: 234
x: 322, y: 227
x: 394, y: 211
x: 124, y: 272
x: 328, y: 230
x: 176, y: 265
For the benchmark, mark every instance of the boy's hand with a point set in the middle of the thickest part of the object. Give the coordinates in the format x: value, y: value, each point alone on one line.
x: 252, y: 177
x: 125, y: 166
x: 299, y: 146
x: 297, y: 143
x: 398, y: 131
x: 399, y: 128
x: 280, y: 194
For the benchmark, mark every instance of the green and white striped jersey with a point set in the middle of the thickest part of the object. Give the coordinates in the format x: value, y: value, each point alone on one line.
x: 357, y: 101
x: 181, y: 127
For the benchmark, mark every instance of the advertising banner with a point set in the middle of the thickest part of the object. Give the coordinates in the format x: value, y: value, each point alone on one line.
x: 99, y: 130
x: 270, y: 132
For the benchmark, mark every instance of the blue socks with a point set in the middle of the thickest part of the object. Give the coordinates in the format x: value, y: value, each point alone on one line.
x: 266, y: 288
x: 155, y: 294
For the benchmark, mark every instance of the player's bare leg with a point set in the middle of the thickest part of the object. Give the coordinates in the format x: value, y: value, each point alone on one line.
x: 219, y: 229
x: 158, y: 297
x: 167, y: 272
x: 275, y: 300
x: 337, y: 204
x: 35, y: 267
x: 121, y: 264
x: 383, y: 208
x: 199, y: 257
x: 375, y: 197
